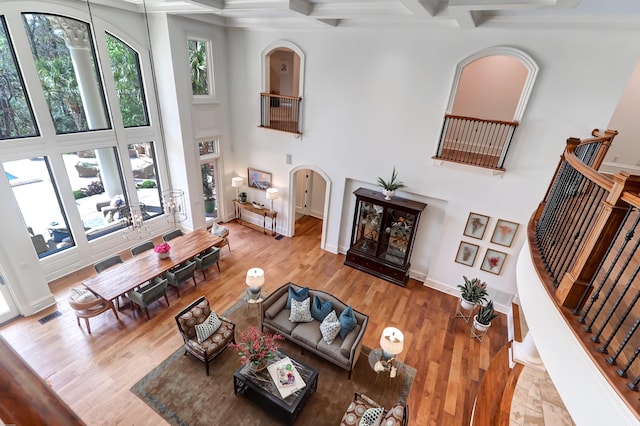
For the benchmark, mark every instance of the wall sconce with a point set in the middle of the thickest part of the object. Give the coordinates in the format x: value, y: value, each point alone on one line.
x: 174, y: 205
x: 272, y: 194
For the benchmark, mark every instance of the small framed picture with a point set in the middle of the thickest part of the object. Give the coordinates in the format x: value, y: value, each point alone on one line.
x: 504, y: 232
x: 493, y: 261
x: 467, y: 253
x: 476, y: 225
x: 258, y: 179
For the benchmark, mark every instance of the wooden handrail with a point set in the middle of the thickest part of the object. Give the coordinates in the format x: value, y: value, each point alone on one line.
x: 483, y: 120
x: 273, y: 95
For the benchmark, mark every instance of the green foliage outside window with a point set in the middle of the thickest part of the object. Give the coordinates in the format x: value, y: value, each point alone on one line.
x: 198, y: 66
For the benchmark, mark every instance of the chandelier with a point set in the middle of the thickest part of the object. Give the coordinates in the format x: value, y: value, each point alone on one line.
x: 174, y: 206
x: 133, y: 217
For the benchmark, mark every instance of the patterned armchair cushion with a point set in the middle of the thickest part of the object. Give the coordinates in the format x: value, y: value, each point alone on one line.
x: 356, y: 409
x: 214, y: 343
x: 394, y: 417
x: 197, y: 315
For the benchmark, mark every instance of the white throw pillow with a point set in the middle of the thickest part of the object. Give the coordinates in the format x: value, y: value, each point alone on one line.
x: 372, y: 417
x: 330, y: 327
x: 82, y: 295
x: 218, y: 230
x: 301, y: 311
x: 208, y: 327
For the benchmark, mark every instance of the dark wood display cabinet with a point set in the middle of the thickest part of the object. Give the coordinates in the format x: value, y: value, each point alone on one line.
x: 383, y: 234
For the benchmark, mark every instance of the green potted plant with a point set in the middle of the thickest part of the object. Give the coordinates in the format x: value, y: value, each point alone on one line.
x: 390, y: 186
x: 486, y: 314
x: 207, y: 189
x: 242, y: 197
x: 472, y: 292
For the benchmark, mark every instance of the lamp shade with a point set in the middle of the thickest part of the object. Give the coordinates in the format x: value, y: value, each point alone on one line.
x: 237, y: 182
x: 255, y: 277
x: 392, y: 341
x: 272, y: 193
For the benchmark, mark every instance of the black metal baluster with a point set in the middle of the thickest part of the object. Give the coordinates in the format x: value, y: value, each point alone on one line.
x: 623, y: 371
x: 612, y: 359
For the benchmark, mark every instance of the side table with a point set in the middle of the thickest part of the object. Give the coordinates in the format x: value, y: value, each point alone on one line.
x: 391, y: 367
x: 265, y: 213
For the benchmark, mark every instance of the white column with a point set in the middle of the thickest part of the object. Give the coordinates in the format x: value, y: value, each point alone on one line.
x: 526, y: 353
x: 76, y: 37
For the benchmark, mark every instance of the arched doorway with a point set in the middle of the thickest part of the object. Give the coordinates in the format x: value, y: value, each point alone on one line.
x: 309, y: 189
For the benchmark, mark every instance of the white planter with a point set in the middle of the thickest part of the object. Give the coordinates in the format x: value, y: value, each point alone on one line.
x: 388, y: 194
x: 466, y: 305
x: 480, y: 327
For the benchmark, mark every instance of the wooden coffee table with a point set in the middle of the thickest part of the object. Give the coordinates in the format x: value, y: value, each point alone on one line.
x: 260, y: 388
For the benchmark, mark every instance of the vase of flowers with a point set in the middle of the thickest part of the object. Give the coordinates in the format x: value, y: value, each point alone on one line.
x: 256, y: 348
x: 162, y: 250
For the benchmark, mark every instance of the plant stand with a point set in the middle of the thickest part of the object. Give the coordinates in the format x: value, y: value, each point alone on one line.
x: 478, y: 331
x: 464, y: 312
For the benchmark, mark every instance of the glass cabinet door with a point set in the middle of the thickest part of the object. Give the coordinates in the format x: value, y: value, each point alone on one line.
x: 397, y: 234
x: 369, y: 222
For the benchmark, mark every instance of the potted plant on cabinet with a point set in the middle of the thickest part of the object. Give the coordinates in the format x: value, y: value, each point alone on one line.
x: 486, y: 314
x: 472, y: 292
x: 389, y: 186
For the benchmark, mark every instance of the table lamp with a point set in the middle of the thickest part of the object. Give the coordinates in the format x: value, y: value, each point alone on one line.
x: 237, y: 182
x: 391, y: 342
x: 255, y: 280
x: 272, y: 194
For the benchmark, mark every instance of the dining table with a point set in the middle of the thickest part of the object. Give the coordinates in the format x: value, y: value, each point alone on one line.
x: 123, y: 277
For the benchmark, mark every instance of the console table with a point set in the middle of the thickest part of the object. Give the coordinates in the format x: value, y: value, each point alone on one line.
x: 262, y: 212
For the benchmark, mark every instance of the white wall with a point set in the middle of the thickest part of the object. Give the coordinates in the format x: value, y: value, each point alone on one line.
x: 375, y: 99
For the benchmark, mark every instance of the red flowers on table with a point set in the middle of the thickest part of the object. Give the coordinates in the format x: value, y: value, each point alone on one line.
x: 255, y: 347
x: 162, y: 248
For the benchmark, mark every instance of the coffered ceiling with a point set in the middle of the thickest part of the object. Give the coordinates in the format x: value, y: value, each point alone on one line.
x: 463, y: 14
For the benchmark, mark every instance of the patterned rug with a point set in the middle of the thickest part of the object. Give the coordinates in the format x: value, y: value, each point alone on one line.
x: 179, y: 390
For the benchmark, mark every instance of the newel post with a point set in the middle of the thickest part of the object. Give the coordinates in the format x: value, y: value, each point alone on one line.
x: 575, y: 282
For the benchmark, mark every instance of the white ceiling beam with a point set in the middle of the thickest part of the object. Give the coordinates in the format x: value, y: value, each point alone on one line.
x: 463, y: 16
x: 421, y: 8
x: 302, y: 7
x: 500, y: 4
x: 215, y: 5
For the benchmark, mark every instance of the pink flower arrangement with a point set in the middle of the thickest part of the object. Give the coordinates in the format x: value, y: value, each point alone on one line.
x: 162, y: 248
x: 255, y: 347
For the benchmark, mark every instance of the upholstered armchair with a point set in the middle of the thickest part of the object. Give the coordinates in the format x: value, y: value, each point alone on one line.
x: 198, y: 313
x: 141, y: 248
x: 182, y: 273
x: 146, y: 295
x: 207, y: 259
x: 398, y: 415
x: 167, y: 236
x: 86, y: 304
x: 107, y: 263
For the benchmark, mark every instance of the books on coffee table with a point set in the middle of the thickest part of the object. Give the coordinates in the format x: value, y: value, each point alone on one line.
x: 285, y: 377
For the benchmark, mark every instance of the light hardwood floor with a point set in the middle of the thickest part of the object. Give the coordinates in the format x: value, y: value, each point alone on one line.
x: 93, y: 373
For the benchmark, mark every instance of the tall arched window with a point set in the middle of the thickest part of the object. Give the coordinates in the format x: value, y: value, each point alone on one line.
x: 488, y: 98
x: 282, y: 87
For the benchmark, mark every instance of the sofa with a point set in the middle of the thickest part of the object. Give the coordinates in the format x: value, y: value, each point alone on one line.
x: 343, y: 351
x: 364, y: 410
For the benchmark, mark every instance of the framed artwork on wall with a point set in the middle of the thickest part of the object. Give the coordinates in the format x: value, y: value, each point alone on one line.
x: 467, y: 253
x: 258, y: 179
x: 504, y: 232
x: 493, y: 261
x: 476, y: 225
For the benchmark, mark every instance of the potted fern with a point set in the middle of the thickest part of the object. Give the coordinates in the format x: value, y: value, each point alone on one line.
x: 389, y: 186
x: 472, y: 292
x: 486, y: 314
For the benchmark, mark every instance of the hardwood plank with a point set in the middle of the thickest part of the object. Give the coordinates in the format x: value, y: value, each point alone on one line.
x: 93, y: 373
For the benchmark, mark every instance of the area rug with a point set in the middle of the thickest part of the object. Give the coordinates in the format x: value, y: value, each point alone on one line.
x: 179, y: 390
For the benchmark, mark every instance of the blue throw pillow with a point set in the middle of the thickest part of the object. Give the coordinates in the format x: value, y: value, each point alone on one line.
x: 348, y: 322
x: 299, y: 295
x: 320, y: 308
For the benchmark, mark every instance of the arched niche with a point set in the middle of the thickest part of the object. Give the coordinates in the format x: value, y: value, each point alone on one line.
x: 283, y: 69
x: 500, y: 77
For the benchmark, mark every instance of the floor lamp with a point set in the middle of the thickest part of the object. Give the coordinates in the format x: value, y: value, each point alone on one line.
x: 237, y: 182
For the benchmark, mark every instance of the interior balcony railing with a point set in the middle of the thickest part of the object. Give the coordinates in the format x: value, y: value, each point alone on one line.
x: 279, y: 112
x: 584, y: 239
x: 475, y: 141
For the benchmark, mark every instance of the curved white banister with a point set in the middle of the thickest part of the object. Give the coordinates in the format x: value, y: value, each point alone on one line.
x: 586, y: 393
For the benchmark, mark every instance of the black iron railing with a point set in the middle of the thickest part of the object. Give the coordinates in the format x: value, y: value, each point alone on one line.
x: 585, y: 244
x: 475, y: 141
x: 280, y: 112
